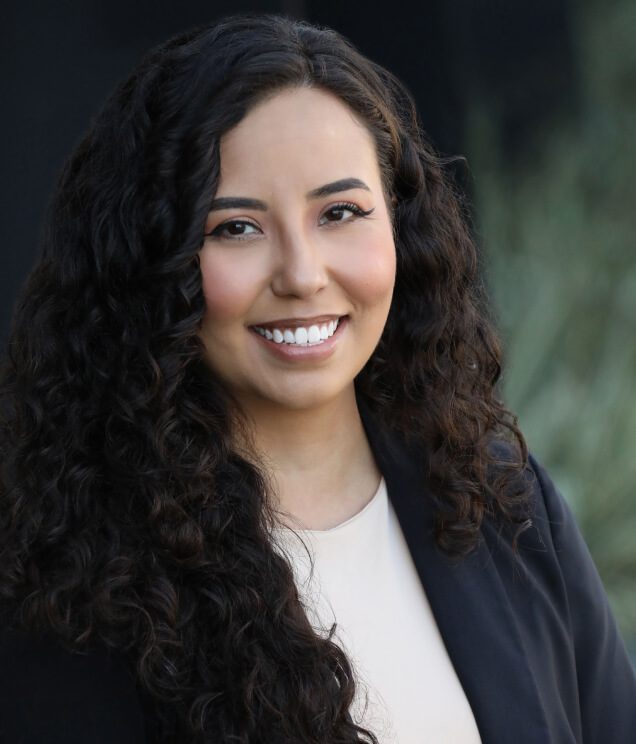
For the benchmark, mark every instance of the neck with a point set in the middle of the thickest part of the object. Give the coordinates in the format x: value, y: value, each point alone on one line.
x: 319, y: 460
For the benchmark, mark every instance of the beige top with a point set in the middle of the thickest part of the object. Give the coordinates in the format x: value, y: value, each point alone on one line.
x: 364, y: 578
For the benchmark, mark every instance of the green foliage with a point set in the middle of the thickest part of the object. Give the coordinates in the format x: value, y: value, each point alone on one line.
x: 558, y: 230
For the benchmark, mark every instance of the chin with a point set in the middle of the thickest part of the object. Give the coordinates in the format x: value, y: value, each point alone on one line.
x: 304, y: 397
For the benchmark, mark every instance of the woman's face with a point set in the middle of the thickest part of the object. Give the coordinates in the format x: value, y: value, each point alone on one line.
x: 298, y: 240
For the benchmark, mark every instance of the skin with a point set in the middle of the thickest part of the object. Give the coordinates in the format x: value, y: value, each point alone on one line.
x: 300, y: 256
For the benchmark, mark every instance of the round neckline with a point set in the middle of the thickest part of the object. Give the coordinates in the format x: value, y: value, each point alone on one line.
x: 337, y: 527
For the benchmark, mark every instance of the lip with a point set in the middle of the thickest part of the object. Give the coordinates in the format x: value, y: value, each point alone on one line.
x: 284, y: 323
x: 315, y: 353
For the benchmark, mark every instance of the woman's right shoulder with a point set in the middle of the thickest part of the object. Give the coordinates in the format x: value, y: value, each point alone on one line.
x: 50, y: 695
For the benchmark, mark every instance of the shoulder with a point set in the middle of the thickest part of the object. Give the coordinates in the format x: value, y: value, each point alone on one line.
x: 553, y: 526
x: 556, y: 534
x: 549, y: 518
x: 564, y: 615
x: 551, y: 542
x: 49, y: 694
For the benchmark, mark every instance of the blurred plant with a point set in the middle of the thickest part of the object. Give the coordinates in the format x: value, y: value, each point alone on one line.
x: 559, y: 230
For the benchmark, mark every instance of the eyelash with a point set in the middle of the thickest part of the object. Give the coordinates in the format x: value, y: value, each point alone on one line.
x: 349, y: 206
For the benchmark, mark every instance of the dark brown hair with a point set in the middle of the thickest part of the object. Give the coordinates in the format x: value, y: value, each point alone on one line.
x: 127, y: 517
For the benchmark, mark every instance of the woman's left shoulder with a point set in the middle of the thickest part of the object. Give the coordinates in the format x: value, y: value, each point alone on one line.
x: 553, y: 529
x: 551, y: 514
x: 550, y: 546
x: 549, y: 526
x: 558, y: 596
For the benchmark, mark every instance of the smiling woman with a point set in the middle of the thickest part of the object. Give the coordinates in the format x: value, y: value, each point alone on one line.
x: 256, y: 317
x: 311, y: 245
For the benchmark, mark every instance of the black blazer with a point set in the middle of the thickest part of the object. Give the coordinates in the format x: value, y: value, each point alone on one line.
x: 532, y: 637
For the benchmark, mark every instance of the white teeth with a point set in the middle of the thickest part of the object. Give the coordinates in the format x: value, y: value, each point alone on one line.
x: 300, y: 336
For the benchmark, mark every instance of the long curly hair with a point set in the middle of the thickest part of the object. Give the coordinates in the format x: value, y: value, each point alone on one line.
x: 127, y: 516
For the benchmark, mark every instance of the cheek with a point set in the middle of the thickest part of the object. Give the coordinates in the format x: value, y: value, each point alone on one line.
x: 371, y: 272
x: 230, y: 285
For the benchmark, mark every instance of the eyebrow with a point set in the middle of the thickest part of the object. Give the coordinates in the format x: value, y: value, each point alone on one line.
x: 344, y: 184
x: 242, y: 202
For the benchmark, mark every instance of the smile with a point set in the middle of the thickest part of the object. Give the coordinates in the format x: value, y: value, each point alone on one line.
x: 310, y: 335
x: 294, y: 343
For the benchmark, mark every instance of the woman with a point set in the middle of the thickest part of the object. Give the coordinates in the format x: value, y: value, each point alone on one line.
x: 256, y: 317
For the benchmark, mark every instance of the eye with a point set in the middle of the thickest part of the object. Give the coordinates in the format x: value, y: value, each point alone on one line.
x: 234, y: 230
x: 343, y: 212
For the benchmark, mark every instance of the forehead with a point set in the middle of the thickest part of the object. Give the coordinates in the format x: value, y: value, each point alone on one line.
x: 302, y: 133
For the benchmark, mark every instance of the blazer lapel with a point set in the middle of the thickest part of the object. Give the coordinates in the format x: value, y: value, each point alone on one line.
x: 470, y: 605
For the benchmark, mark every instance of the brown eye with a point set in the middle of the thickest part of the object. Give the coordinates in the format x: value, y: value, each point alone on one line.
x: 234, y: 229
x: 343, y: 213
x: 335, y: 214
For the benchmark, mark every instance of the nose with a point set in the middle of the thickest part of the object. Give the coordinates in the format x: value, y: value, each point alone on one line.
x: 300, y: 268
